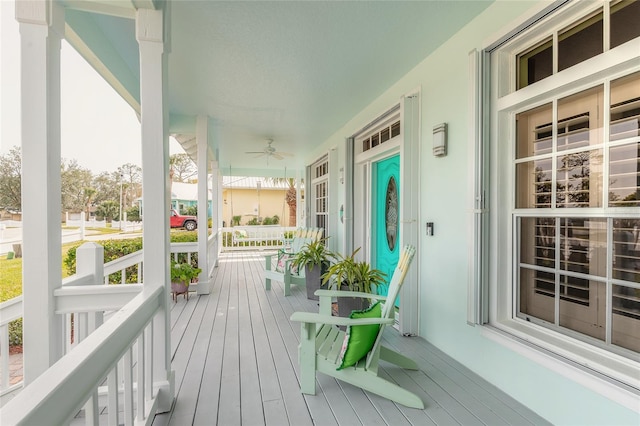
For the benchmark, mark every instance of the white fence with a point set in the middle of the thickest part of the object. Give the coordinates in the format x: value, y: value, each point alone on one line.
x: 268, y: 237
x: 94, y: 354
x: 127, y: 226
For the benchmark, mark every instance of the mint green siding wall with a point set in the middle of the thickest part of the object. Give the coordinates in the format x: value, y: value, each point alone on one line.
x: 443, y: 79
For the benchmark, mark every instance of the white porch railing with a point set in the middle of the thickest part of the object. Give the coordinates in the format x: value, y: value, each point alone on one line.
x: 10, y: 311
x: 268, y: 237
x: 106, y: 363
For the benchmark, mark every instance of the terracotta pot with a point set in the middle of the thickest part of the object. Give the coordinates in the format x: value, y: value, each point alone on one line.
x: 178, y: 288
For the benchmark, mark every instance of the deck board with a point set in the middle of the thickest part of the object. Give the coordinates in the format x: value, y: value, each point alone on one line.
x: 234, y: 354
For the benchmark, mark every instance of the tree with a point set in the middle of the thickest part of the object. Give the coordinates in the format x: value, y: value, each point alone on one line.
x: 11, y: 180
x: 131, y: 176
x: 291, y: 197
x: 74, y: 179
x: 181, y: 168
x: 108, y: 210
x: 107, y: 186
x: 89, y: 193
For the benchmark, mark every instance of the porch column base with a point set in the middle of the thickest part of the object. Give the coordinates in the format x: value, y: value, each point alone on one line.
x: 165, y: 392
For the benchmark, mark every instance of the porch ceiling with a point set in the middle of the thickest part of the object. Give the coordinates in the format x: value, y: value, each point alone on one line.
x: 293, y: 72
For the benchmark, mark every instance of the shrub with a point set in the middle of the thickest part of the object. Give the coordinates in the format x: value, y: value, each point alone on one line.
x: 115, y: 249
x: 15, y: 332
x: 133, y: 214
x: 190, y: 211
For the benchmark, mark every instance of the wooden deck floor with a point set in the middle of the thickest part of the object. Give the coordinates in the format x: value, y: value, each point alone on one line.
x: 235, y: 360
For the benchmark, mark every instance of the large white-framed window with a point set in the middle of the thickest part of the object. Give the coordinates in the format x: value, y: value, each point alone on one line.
x: 564, y: 135
x: 320, y: 194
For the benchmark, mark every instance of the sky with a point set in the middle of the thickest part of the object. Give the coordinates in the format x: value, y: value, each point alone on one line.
x: 99, y: 129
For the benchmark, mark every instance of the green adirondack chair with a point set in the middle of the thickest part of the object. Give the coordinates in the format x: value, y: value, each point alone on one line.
x: 278, y: 266
x: 321, y: 342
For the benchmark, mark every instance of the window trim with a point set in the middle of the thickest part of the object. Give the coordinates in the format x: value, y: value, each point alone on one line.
x: 492, y: 298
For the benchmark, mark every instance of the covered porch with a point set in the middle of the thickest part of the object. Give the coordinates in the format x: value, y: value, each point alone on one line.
x: 234, y: 353
x: 348, y: 90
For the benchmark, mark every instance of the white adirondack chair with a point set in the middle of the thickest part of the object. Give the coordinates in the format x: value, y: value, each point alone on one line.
x: 284, y: 274
x: 321, y: 342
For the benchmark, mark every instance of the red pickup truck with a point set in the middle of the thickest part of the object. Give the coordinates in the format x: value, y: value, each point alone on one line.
x: 189, y: 223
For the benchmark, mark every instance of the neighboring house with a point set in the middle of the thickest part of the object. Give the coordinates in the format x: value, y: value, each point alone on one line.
x: 184, y: 195
x: 504, y: 144
x: 247, y: 197
x: 252, y: 197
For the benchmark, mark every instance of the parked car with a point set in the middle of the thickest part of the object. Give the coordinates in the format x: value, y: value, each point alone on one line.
x: 189, y: 223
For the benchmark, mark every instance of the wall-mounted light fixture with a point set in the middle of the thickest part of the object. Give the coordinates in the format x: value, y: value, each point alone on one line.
x: 440, y: 140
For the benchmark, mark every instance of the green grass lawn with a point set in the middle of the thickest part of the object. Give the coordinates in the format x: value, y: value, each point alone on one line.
x: 11, y: 273
x: 11, y: 269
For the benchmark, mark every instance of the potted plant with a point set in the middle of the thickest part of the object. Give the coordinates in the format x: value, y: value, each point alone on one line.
x: 315, y: 258
x: 350, y: 274
x: 182, y: 274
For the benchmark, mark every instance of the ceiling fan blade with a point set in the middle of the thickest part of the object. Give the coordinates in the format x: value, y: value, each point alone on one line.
x: 254, y: 152
x: 284, y: 154
x: 277, y: 156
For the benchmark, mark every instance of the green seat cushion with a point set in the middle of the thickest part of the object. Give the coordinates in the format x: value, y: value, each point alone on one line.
x: 359, y: 339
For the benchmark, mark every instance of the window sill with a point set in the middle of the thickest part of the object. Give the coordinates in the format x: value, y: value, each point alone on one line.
x: 605, y: 373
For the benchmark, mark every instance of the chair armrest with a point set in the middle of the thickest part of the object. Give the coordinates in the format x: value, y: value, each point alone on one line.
x: 311, y: 317
x: 341, y: 293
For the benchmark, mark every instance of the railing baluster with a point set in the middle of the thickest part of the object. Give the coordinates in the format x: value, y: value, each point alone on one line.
x: 81, y: 327
x: 113, y: 389
x: 128, y: 387
x: 148, y: 365
x: 4, y: 353
x: 69, y: 338
x: 140, y: 379
x: 91, y: 410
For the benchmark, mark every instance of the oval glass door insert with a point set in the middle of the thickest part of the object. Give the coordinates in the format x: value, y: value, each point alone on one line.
x: 391, y: 213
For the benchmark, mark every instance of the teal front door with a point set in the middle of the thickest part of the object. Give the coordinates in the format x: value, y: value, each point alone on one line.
x: 386, y: 197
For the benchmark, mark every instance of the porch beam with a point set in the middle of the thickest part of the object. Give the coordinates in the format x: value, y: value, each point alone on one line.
x: 151, y: 35
x: 41, y: 31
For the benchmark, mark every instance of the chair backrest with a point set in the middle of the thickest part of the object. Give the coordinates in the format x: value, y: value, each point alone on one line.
x: 404, y: 261
x: 406, y: 256
x: 304, y: 236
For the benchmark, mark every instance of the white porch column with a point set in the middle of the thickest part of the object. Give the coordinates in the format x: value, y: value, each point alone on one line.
x: 150, y: 33
x: 299, y: 206
x: 216, y: 211
x: 202, y: 141
x: 41, y: 31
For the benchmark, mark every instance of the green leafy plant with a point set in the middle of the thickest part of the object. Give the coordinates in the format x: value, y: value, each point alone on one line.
x: 352, y: 274
x: 313, y: 254
x: 183, y: 272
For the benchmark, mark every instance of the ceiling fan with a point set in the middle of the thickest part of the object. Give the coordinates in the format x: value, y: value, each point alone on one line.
x: 270, y: 151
